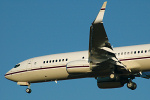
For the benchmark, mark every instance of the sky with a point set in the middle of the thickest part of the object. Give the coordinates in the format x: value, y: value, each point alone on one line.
x: 31, y: 28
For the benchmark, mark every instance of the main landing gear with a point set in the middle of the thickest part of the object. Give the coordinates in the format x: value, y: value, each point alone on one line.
x: 28, y: 90
x: 131, y: 85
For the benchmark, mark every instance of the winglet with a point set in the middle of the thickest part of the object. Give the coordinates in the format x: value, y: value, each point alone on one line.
x: 99, y: 18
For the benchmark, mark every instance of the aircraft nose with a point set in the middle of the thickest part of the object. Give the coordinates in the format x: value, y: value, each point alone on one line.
x: 8, y: 75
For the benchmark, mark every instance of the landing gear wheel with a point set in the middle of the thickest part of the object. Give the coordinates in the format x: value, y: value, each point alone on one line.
x: 132, y: 85
x: 28, y: 90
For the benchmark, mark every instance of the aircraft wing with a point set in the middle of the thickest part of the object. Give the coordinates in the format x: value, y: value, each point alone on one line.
x: 101, y: 54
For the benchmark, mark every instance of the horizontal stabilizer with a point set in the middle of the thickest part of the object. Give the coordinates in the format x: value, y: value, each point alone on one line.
x: 99, y: 18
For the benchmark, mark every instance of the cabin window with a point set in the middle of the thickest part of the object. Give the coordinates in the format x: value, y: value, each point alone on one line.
x: 118, y: 54
x: 128, y: 52
x: 131, y: 52
x: 66, y: 59
x: 62, y: 59
x: 145, y: 51
x: 53, y: 61
x: 56, y: 60
x: 50, y: 61
x: 148, y: 50
x: 124, y: 53
x: 44, y: 62
x: 121, y: 53
x: 138, y: 51
x: 142, y: 51
x: 134, y: 52
x: 59, y: 60
x: 82, y: 57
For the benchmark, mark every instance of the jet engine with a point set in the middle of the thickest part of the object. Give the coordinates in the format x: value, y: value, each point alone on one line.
x: 107, y: 82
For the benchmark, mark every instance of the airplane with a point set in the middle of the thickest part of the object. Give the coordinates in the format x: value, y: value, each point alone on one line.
x: 111, y: 67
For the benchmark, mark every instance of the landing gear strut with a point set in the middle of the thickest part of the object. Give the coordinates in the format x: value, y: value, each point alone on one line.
x: 131, y: 85
x: 28, y: 90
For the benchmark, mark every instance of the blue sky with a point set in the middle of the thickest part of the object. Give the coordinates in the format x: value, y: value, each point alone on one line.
x: 33, y: 28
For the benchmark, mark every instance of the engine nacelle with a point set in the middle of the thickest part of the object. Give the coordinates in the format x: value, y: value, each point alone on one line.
x: 78, y: 66
x: 107, y: 82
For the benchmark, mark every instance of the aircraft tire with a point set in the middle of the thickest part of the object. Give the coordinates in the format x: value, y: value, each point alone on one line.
x: 132, y: 85
x: 28, y: 90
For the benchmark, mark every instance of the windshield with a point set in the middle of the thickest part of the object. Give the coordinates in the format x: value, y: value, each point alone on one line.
x: 17, y: 65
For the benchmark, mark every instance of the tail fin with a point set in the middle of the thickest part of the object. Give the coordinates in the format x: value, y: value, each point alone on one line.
x: 99, y: 18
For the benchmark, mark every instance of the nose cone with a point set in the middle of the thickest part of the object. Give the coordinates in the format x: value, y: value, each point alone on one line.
x: 8, y: 75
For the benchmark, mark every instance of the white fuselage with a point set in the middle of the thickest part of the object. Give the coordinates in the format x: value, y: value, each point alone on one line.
x: 54, y: 67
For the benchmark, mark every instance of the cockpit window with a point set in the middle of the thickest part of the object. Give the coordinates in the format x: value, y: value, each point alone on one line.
x: 17, y: 65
